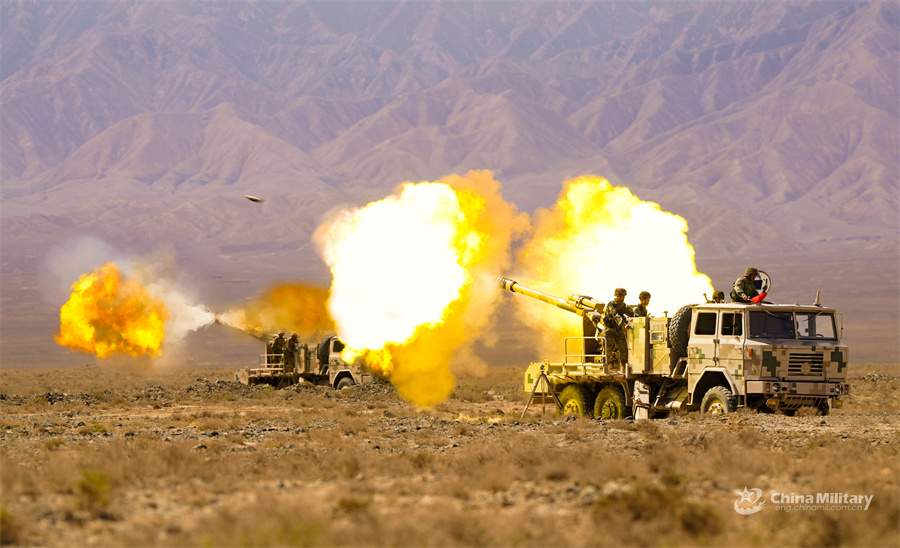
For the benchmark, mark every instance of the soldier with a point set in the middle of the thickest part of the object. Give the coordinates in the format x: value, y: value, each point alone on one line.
x: 592, y: 330
x: 290, y: 354
x: 615, y: 318
x: 744, y: 290
x: 277, y: 348
x: 718, y: 296
x: 641, y: 309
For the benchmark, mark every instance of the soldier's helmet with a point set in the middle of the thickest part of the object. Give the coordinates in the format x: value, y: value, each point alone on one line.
x: 751, y: 270
x: 644, y: 295
x: 718, y: 293
x: 281, y: 333
x: 620, y: 291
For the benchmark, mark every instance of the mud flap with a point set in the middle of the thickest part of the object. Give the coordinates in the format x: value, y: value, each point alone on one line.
x: 641, y: 400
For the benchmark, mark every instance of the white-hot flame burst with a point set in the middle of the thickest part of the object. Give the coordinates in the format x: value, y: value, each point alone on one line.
x: 599, y: 237
x: 411, y: 277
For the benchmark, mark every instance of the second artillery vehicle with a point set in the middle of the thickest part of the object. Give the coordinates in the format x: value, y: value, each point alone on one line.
x: 321, y: 365
x: 712, y: 357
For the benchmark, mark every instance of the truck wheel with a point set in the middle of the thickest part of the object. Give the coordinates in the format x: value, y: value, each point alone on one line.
x: 577, y: 399
x: 822, y: 408
x: 718, y: 400
x: 679, y: 331
x: 610, y: 403
x: 345, y: 382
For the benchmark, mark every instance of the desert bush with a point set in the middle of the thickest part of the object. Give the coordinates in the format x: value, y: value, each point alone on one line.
x: 92, y: 490
x: 12, y: 527
x: 53, y: 443
x: 471, y: 394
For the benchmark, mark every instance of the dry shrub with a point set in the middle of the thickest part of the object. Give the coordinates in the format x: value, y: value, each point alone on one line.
x: 471, y: 394
x: 354, y: 425
x: 13, y: 527
x: 53, y: 444
x: 268, y: 521
x: 92, y: 491
x: 648, y: 512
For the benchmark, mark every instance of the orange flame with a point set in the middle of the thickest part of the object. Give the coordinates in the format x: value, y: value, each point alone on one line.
x: 107, y: 314
x: 599, y: 237
x: 296, y: 307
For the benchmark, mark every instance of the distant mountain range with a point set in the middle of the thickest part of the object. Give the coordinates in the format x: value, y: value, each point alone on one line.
x: 771, y: 126
x: 778, y: 118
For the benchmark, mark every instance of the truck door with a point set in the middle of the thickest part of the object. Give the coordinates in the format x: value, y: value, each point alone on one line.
x: 731, y: 342
x: 702, y: 345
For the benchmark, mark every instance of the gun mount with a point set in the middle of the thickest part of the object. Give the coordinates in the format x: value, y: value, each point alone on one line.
x: 574, y: 303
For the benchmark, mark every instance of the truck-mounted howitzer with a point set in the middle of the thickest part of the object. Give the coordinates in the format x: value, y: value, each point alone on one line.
x: 574, y: 303
x: 711, y: 357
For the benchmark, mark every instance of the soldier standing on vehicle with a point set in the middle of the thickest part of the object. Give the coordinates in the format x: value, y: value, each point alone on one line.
x: 277, y: 348
x: 744, y: 290
x: 290, y: 354
x: 718, y: 296
x: 615, y: 318
x: 641, y: 309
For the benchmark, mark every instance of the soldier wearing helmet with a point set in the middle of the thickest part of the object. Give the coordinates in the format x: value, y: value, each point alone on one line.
x: 641, y: 309
x: 615, y: 318
x: 277, y: 349
x: 718, y: 296
x: 744, y: 290
x: 290, y: 353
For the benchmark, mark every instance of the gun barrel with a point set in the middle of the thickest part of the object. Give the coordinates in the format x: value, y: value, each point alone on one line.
x: 577, y: 304
x: 255, y: 332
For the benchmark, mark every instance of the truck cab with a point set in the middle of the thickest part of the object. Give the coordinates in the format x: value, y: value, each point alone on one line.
x: 333, y: 370
x: 771, y: 356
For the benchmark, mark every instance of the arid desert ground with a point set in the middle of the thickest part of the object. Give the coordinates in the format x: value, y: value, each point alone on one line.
x: 104, y: 456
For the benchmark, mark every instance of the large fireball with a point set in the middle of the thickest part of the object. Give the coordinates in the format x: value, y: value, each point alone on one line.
x: 108, y: 314
x: 599, y: 237
x: 411, y: 277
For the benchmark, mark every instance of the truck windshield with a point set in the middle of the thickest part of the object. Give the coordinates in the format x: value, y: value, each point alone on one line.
x: 816, y: 325
x: 771, y: 325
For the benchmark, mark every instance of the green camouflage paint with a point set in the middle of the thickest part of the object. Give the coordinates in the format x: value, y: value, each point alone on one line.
x: 838, y: 357
x: 770, y: 363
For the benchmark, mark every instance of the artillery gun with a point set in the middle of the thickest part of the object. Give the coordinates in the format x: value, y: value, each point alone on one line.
x: 711, y: 357
x: 321, y: 365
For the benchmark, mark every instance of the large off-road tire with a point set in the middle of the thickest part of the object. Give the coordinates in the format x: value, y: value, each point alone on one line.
x: 718, y: 400
x: 679, y: 331
x: 345, y: 382
x: 577, y: 399
x: 610, y: 403
x: 822, y: 408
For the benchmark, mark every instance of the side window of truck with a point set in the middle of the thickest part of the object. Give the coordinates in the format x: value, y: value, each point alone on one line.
x: 338, y: 346
x: 732, y: 324
x: 706, y: 324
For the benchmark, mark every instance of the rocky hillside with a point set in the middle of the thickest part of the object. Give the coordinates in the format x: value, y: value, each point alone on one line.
x: 784, y: 113
x: 771, y: 126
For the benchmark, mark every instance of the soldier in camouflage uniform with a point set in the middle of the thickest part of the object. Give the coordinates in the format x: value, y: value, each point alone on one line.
x: 744, y: 290
x: 615, y: 318
x: 718, y: 296
x: 290, y: 354
x: 277, y: 348
x: 641, y: 309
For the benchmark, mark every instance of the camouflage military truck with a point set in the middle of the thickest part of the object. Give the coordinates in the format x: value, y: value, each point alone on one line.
x: 322, y: 366
x: 710, y: 357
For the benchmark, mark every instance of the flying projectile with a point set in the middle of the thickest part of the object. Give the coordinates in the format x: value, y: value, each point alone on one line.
x: 254, y: 199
